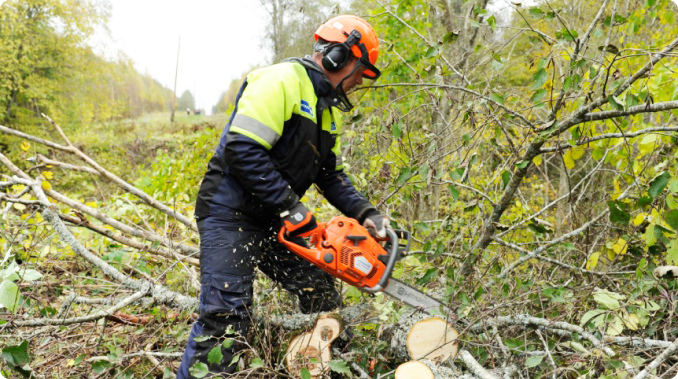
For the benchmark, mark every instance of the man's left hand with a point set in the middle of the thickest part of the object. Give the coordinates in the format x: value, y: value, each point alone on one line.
x: 376, y: 224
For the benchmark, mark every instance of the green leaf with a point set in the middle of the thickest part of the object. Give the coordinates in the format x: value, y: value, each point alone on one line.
x: 474, y: 23
x: 631, y: 100
x: 430, y: 274
x: 30, y: 275
x: 215, y: 355
x: 567, y: 35
x: 536, y: 12
x: 607, y: 299
x: 256, y: 363
x: 356, y: 118
x: 431, y: 52
x: 304, y: 373
x: 100, y: 366
x: 9, y: 295
x: 650, y: 235
x: 522, y: 164
x: 592, y: 72
x: 17, y: 355
x: 451, y: 37
x: 671, y: 218
x: 615, y: 103
x: 618, y: 212
x: 199, y: 370
x: 658, y: 184
x: 505, y: 178
x: 454, y: 192
x: 338, y: 365
x: 235, y: 359
x: 10, y: 273
x: 538, y: 95
x: 673, y: 185
x: 594, y: 316
x: 405, y: 175
x: 497, y: 98
x: 533, y: 361
x: 202, y: 338
x: 492, y: 22
x: 228, y: 342
x: 539, y: 78
x: 397, y: 130
x: 618, y: 20
x: 672, y: 253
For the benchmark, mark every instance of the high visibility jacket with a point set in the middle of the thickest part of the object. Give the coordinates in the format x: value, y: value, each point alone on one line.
x: 282, y: 137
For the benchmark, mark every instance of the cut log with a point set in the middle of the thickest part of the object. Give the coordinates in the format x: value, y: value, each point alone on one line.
x: 312, y: 350
x: 434, y: 339
x: 413, y: 369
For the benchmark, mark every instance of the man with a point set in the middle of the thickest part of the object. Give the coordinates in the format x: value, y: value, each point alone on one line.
x: 282, y: 138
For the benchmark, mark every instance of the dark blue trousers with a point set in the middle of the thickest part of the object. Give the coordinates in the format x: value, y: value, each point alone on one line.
x: 229, y: 253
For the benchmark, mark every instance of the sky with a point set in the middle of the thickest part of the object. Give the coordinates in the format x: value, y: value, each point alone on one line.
x: 220, y: 40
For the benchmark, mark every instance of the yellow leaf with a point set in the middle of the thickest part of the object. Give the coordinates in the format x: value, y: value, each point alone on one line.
x: 46, y: 186
x: 19, y: 207
x: 593, y: 260
x: 611, y: 255
x: 639, y: 219
x: 536, y: 160
x: 91, y: 204
x: 567, y: 158
x: 648, y: 143
x: 631, y: 321
x: 25, y: 146
x: 620, y: 246
x: 48, y: 175
x: 71, y: 362
x: 577, y: 152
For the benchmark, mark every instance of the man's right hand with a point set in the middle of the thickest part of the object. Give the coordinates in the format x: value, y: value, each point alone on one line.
x: 298, y: 220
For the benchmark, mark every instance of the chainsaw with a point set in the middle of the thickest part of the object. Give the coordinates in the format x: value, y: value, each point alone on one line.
x: 346, y: 250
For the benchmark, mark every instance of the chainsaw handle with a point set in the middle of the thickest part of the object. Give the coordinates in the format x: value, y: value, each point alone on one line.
x: 393, y: 255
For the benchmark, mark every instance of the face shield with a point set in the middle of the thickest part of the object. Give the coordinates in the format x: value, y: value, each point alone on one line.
x: 356, y: 84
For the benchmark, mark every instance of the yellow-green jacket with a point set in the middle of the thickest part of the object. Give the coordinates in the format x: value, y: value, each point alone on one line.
x: 276, y: 145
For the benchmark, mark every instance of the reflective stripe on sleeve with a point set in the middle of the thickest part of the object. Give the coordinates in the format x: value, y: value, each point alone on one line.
x: 254, y: 129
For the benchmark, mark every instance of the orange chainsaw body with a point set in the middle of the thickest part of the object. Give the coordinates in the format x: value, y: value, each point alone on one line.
x: 344, y: 249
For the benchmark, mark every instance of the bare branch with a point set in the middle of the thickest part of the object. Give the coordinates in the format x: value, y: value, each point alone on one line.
x: 657, y: 361
x: 448, y: 86
x: 610, y: 135
x: 66, y: 166
x: 650, y: 108
x: 145, y: 289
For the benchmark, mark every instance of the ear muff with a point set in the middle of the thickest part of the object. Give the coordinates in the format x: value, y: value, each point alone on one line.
x: 336, y: 56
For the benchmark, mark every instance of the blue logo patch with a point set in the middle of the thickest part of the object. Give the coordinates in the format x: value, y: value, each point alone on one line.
x: 333, y: 127
x: 306, y: 108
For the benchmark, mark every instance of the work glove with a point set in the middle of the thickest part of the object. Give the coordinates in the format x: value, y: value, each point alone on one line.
x: 376, y: 224
x: 298, y: 220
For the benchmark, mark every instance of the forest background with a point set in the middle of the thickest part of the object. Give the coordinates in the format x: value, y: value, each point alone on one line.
x: 529, y: 147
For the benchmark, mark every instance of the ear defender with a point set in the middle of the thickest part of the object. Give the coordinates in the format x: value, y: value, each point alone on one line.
x: 337, y: 56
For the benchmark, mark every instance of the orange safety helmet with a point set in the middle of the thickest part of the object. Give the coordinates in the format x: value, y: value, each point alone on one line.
x: 339, y: 28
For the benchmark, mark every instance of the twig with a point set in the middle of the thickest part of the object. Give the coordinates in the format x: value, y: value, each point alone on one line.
x: 657, y: 361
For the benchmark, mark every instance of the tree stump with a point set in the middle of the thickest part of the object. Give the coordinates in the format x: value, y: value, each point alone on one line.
x: 433, y: 339
x: 413, y: 369
x: 312, y: 350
